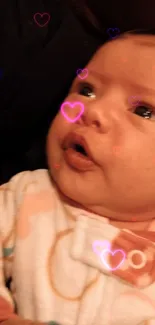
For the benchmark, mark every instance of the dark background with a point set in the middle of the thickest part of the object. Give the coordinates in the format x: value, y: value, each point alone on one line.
x: 37, y: 66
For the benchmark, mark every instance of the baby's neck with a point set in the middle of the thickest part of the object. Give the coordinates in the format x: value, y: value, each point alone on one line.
x: 133, y: 225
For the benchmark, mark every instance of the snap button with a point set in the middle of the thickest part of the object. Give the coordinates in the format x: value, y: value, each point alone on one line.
x: 130, y: 259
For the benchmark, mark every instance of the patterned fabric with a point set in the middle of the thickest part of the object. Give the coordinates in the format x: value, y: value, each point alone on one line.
x: 68, y: 266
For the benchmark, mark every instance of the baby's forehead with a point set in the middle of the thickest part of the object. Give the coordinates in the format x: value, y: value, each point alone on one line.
x: 120, y: 57
x: 135, y: 39
x: 124, y: 42
x: 145, y: 40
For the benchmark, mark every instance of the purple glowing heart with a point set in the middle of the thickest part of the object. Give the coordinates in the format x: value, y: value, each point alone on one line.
x: 85, y: 71
x: 72, y: 105
x: 102, y: 256
x: 113, y: 32
x: 134, y: 100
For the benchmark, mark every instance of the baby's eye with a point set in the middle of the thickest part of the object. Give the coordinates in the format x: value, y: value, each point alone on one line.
x: 86, y: 90
x: 144, y: 111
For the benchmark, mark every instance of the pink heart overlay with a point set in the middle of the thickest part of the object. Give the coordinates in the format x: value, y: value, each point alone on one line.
x: 100, y: 244
x: 104, y: 261
x: 117, y: 149
x: 80, y: 72
x: 56, y: 166
x: 36, y: 16
x: 72, y: 105
x: 134, y: 100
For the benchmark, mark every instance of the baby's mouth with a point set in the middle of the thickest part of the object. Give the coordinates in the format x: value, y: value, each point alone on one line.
x: 77, y: 143
x: 79, y: 148
x: 77, y: 152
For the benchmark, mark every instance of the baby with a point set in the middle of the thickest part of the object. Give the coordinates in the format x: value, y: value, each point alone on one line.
x: 78, y: 240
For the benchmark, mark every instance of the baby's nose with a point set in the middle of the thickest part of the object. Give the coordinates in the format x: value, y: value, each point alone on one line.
x: 94, y: 116
x: 104, y: 114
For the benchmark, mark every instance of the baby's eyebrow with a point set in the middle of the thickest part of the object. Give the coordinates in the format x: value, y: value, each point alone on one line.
x: 145, y: 43
x: 141, y: 88
x: 99, y: 76
x: 137, y: 86
x: 145, y: 40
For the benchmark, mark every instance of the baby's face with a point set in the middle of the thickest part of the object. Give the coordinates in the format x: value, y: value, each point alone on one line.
x: 118, y: 181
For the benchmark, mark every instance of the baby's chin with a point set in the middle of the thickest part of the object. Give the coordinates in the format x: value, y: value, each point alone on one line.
x: 123, y: 218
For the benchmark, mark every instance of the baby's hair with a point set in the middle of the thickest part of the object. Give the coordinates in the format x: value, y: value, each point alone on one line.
x: 145, y: 32
x: 142, y: 31
x: 150, y: 32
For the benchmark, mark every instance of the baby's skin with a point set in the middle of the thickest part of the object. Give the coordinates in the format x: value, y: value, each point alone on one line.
x: 118, y: 125
x: 118, y: 179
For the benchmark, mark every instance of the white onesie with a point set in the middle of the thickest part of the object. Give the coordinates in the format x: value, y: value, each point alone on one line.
x: 68, y: 265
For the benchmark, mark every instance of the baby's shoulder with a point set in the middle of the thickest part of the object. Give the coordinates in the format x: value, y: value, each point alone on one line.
x: 28, y: 182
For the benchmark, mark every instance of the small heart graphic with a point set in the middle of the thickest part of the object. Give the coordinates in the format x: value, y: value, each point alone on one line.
x: 134, y: 100
x: 56, y: 166
x: 100, y: 244
x: 117, y: 150
x: 113, y: 32
x: 45, y: 18
x: 82, y: 74
x: 72, y: 105
x: 102, y: 256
